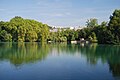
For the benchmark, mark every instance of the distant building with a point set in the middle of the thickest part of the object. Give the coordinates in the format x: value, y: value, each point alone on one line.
x: 72, y: 28
x: 55, y: 29
x: 79, y: 28
x: 76, y: 28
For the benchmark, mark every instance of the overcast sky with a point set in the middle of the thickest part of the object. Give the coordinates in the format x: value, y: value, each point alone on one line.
x: 59, y: 12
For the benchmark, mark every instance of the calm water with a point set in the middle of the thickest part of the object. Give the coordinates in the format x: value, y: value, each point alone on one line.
x: 35, y: 61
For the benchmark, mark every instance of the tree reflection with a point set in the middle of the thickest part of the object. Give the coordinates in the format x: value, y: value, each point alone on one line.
x: 20, y: 53
x: 115, y: 69
x: 93, y: 53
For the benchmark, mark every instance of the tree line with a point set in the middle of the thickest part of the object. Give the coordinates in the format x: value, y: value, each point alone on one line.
x: 25, y: 30
x: 104, y: 33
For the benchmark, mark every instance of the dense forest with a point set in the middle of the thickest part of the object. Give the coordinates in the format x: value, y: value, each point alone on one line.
x: 25, y: 30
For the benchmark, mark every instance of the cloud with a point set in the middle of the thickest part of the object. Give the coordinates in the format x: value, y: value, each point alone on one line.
x: 54, y: 4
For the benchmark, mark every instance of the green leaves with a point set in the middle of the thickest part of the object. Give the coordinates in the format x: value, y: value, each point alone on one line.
x: 92, y: 22
x: 24, y: 30
x: 4, y: 36
x: 31, y: 36
x: 115, y: 19
x: 114, y: 27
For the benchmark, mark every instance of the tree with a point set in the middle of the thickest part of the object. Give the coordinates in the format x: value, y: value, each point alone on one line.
x: 44, y: 33
x: 114, y: 26
x: 115, y: 19
x: 104, y: 23
x: 21, y: 33
x: 25, y: 29
x: 4, y: 36
x: 92, y: 22
x: 93, y: 37
x: 31, y: 36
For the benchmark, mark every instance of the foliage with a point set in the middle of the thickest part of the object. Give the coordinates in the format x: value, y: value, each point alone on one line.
x: 4, y: 36
x: 106, y: 33
x: 114, y: 27
x: 93, y: 37
x: 92, y: 22
x: 21, y: 30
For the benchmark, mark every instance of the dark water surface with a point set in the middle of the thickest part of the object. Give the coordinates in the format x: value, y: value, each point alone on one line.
x: 60, y: 61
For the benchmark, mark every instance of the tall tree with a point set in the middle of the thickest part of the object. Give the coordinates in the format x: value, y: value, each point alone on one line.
x: 114, y: 27
x: 115, y: 19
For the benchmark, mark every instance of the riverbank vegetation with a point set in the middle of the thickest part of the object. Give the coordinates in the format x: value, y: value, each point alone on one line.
x: 26, y: 30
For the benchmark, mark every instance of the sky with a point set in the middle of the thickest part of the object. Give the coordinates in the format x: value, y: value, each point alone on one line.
x: 59, y: 12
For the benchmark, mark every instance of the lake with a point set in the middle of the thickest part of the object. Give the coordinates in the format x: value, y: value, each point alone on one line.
x: 59, y: 61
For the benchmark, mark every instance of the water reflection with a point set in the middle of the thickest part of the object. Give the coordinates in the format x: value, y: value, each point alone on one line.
x: 22, y: 53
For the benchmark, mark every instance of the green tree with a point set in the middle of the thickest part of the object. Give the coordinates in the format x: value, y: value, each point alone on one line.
x: 31, y: 36
x: 114, y: 19
x: 43, y: 34
x: 104, y: 23
x: 4, y: 36
x: 114, y: 27
x: 93, y: 37
x: 21, y: 33
x: 92, y: 22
